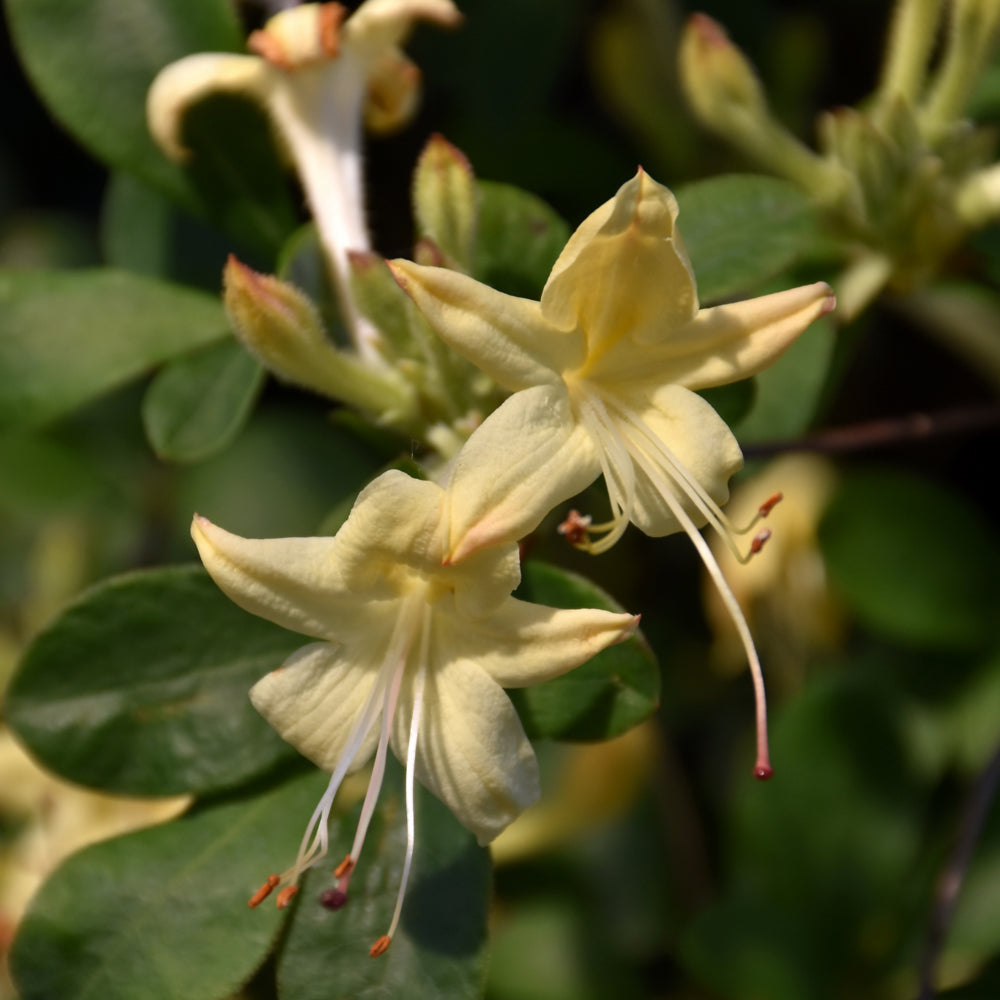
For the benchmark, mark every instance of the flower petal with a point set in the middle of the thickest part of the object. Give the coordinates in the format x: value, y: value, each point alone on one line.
x: 624, y: 275
x: 314, y: 699
x: 699, y: 440
x: 189, y: 80
x: 396, y: 536
x: 381, y: 24
x: 522, y: 643
x: 293, y: 582
x: 503, y: 335
x: 472, y: 752
x: 529, y: 455
x: 727, y: 343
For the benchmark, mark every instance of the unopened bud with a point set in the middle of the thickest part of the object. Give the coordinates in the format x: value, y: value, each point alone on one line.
x: 445, y: 201
x: 717, y: 78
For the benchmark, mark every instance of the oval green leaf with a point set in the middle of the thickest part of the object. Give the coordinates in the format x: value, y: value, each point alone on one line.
x: 162, y: 914
x: 518, y: 239
x: 141, y: 687
x: 915, y: 562
x: 67, y: 337
x: 93, y: 61
x: 610, y: 693
x: 197, y: 404
x: 740, y: 230
x: 439, y: 949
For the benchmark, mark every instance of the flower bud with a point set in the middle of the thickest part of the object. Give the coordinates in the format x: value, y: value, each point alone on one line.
x: 445, y: 201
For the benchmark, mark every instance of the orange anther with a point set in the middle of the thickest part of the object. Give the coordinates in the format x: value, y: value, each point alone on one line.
x: 380, y: 946
x: 330, y: 16
x: 759, y: 539
x: 345, y: 867
x: 264, y: 891
x: 286, y: 895
x: 769, y: 504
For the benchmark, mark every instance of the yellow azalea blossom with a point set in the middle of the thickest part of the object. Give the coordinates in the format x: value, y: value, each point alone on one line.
x: 602, y: 372
x: 414, y: 655
x: 319, y: 77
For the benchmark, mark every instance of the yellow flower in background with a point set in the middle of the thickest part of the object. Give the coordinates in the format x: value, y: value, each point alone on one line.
x: 319, y: 76
x: 603, y: 371
x: 414, y: 654
x: 786, y: 597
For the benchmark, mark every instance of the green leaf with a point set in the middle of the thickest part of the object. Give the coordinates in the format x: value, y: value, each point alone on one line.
x: 788, y: 392
x: 67, y: 337
x: 914, y: 561
x: 162, y: 914
x: 740, y: 230
x: 198, y: 404
x: 141, y: 685
x: 608, y: 694
x: 439, y: 949
x: 518, y: 239
x: 93, y: 61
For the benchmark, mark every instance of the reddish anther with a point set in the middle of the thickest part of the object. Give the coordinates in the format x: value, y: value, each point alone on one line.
x: 344, y: 868
x: 759, y: 539
x: 380, y: 946
x: 333, y: 899
x: 575, y: 527
x: 263, y: 892
x: 286, y: 895
x: 769, y: 504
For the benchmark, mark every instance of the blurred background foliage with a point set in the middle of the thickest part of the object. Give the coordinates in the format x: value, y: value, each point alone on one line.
x: 655, y: 866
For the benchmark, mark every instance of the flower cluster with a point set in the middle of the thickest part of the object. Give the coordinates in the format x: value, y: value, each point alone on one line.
x: 410, y: 603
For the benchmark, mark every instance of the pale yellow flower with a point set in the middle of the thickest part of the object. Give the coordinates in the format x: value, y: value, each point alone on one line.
x: 414, y: 654
x: 602, y: 372
x: 319, y: 77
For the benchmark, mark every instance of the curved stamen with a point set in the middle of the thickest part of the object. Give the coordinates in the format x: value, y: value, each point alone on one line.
x: 762, y: 767
x: 617, y: 469
x: 411, y: 756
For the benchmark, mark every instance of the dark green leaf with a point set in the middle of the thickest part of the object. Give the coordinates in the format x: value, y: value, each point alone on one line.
x: 518, y: 239
x: 740, y: 230
x: 197, y: 405
x: 141, y: 687
x: 608, y: 694
x: 68, y: 337
x: 439, y: 949
x: 162, y: 914
x: 93, y: 62
x: 914, y: 561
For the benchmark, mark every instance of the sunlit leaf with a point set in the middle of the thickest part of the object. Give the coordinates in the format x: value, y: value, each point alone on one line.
x: 162, y: 914
x: 67, y: 337
x: 141, y: 686
x: 740, y: 230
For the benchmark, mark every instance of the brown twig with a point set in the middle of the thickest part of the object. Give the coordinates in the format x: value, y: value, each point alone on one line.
x: 890, y: 431
x: 953, y: 874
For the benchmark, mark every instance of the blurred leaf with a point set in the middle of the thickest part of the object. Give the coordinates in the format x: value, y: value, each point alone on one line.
x: 162, y: 914
x: 68, y: 337
x: 144, y: 232
x: 608, y: 694
x: 140, y: 687
x: 740, y: 230
x: 42, y: 476
x: 518, y: 239
x: 914, y: 561
x: 198, y: 404
x: 93, y: 62
x: 439, y: 949
x: 824, y: 857
x: 788, y: 392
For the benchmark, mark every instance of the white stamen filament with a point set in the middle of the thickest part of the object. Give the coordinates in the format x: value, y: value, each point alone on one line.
x: 637, y: 446
x: 315, y: 841
x: 411, y: 757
